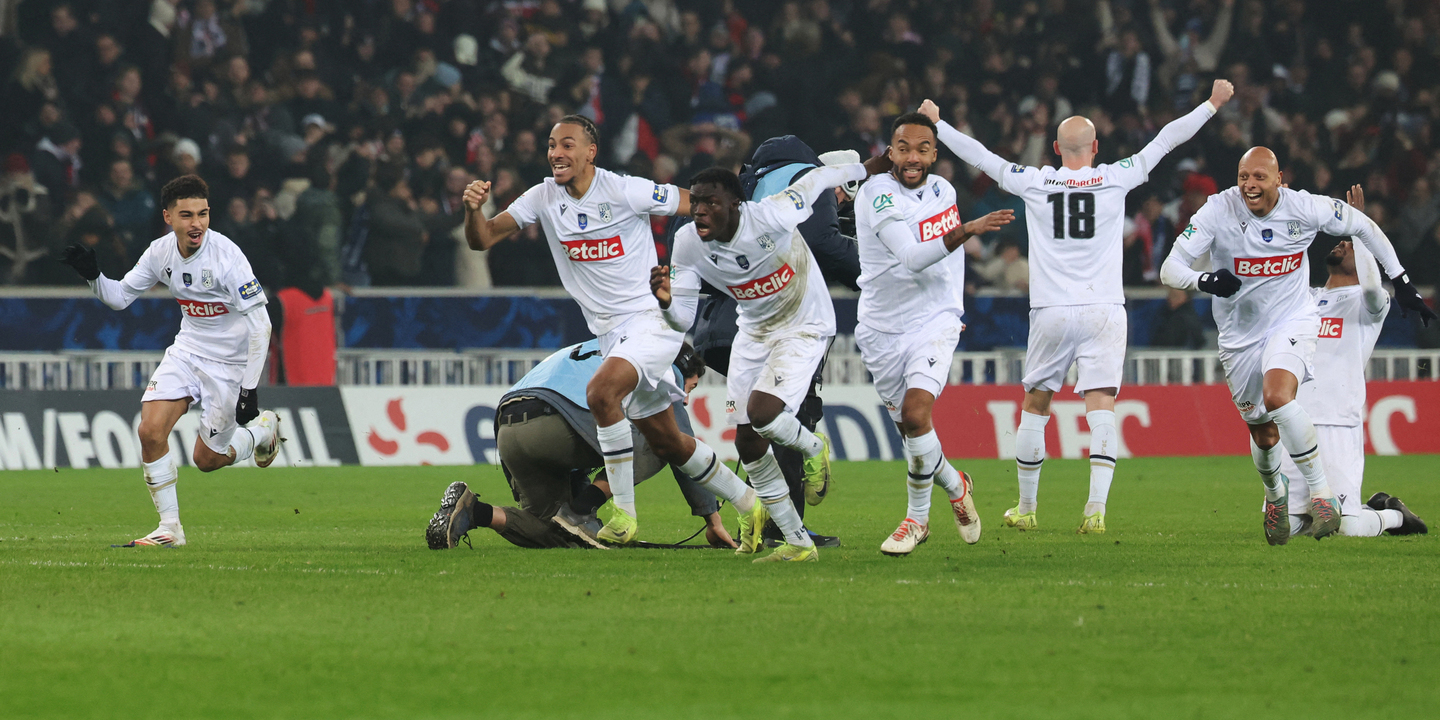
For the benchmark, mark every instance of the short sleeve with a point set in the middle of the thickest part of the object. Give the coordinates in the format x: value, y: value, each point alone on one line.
x: 1016, y: 178
x: 1129, y: 173
x: 524, y: 210
x: 245, y: 291
x: 1199, y: 236
x: 649, y: 198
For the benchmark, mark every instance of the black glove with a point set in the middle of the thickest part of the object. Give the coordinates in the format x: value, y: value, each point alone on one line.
x: 1408, y: 298
x: 1222, y: 283
x: 248, y: 407
x: 81, y: 257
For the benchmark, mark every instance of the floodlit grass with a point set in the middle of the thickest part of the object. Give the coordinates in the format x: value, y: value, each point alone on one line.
x: 309, y: 593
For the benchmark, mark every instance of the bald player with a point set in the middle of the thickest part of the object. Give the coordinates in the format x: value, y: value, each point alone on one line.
x: 1256, y: 235
x: 1075, y: 215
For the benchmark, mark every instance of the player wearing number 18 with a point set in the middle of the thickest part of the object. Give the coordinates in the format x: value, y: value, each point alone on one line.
x: 1075, y: 215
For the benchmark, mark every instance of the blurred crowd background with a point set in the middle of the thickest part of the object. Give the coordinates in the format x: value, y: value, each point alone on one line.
x: 337, y: 136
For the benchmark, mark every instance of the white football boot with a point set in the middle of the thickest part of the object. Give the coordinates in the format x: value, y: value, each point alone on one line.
x: 266, y: 453
x: 966, y: 519
x: 905, y: 538
x: 163, y: 536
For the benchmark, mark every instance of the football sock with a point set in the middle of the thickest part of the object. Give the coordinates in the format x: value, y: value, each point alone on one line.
x: 1297, y: 434
x: 1370, y: 523
x: 786, y: 430
x: 160, y: 478
x: 770, y: 485
x: 1104, y: 447
x: 242, y: 443
x: 1267, y: 463
x: 927, y: 447
x: 1029, y: 455
x: 619, y: 451
x: 1300, y: 523
x: 588, y: 500
x: 705, y: 468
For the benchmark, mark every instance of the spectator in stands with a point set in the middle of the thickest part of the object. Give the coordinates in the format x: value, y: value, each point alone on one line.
x: 1177, y: 324
x: 1424, y: 262
x: 397, y: 235
x: 313, y: 252
x: 56, y: 162
x: 131, y: 203
x: 1006, y: 270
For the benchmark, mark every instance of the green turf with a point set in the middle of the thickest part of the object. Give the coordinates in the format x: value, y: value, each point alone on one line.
x: 309, y: 593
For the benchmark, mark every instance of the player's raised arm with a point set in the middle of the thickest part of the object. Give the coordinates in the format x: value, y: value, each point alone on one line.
x: 1366, y: 269
x: 480, y: 233
x: 1183, y: 128
x: 1341, y: 219
x: 967, y: 148
x: 117, y: 294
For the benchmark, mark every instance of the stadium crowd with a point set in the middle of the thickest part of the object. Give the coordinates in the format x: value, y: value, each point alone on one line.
x: 338, y: 136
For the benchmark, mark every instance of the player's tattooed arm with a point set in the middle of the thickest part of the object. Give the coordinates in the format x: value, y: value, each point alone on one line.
x: 979, y: 226
x: 482, y: 233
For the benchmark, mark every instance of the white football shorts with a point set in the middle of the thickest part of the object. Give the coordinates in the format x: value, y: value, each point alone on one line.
x: 1289, y: 346
x: 781, y: 366
x: 215, y: 385
x: 645, y: 341
x: 919, y: 359
x: 1090, y: 336
x: 1342, y: 451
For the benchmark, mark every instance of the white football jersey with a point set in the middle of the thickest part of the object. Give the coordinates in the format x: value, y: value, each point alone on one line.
x: 601, y: 243
x: 1348, y: 331
x: 214, y: 287
x: 1076, y: 223
x: 766, y: 267
x: 1268, y: 255
x: 893, y: 299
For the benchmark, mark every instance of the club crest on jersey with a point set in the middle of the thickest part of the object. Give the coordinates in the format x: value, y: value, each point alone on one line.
x: 1267, y: 235
x: 207, y: 279
x: 582, y: 219
x: 661, y: 193
x: 795, y: 198
x: 884, y: 202
x: 1332, y: 328
x: 605, y: 215
x: 1293, y: 228
x: 766, y: 243
x: 249, y: 290
x: 743, y: 262
x: 185, y: 278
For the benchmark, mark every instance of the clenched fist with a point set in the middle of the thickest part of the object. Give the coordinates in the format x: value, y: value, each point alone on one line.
x: 1221, y: 93
x: 930, y: 110
x: 475, y: 195
x: 660, y: 285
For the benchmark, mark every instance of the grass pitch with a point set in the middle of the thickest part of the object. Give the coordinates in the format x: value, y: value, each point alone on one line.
x: 309, y: 593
